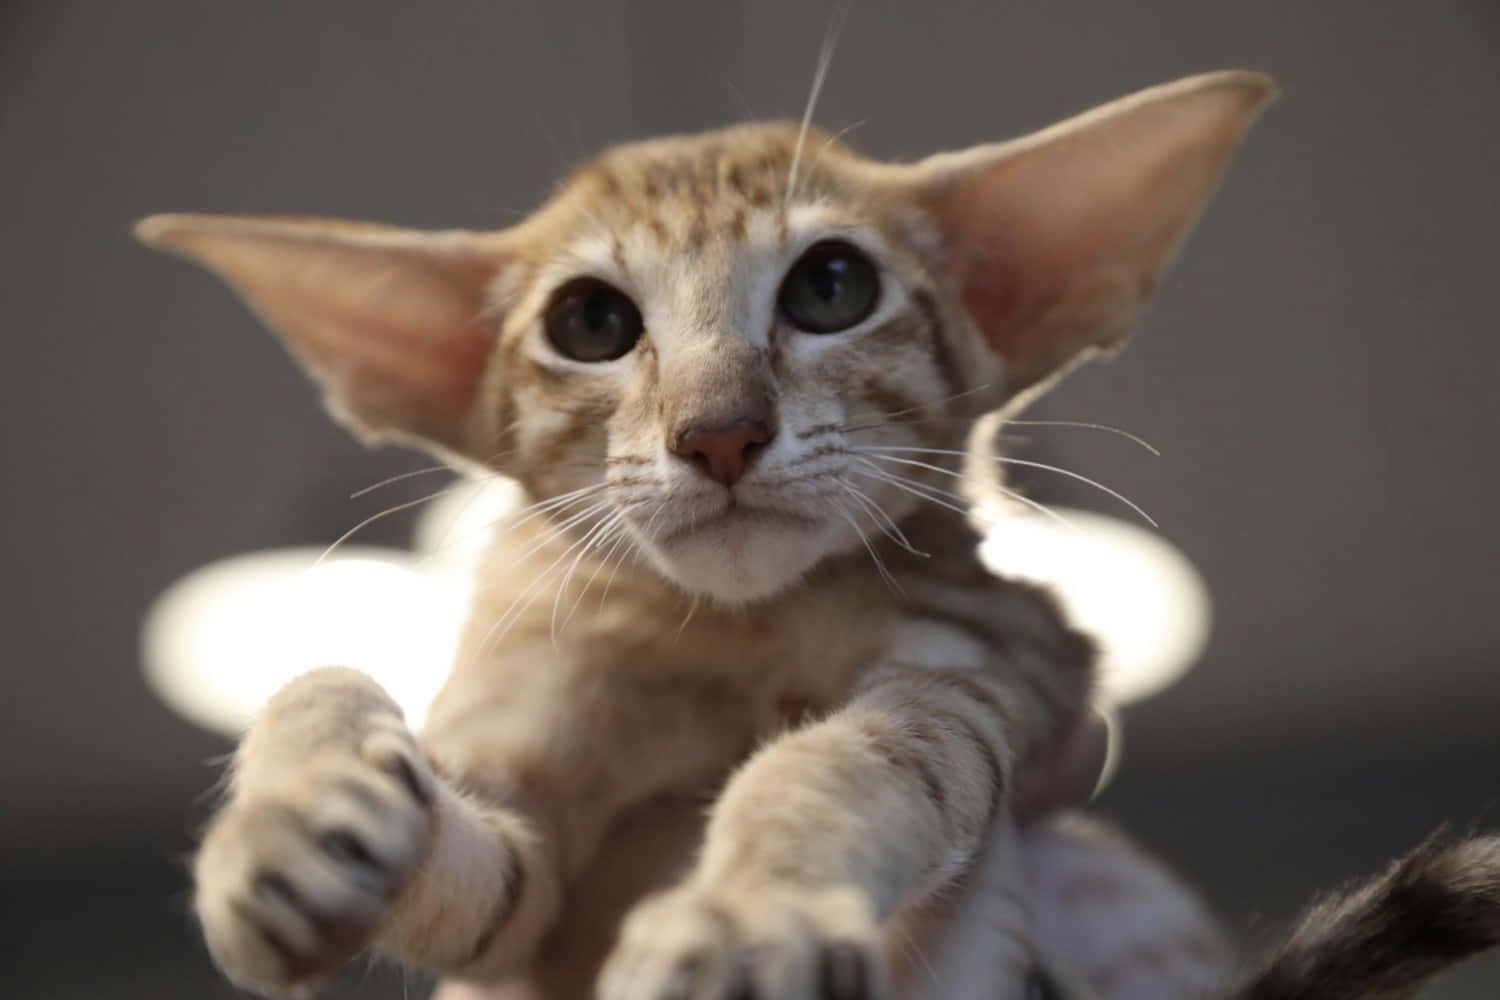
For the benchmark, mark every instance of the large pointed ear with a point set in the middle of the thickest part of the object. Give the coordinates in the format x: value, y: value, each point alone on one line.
x: 1056, y: 240
x: 393, y: 323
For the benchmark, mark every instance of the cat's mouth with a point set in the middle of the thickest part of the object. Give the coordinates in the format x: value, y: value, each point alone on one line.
x: 737, y: 515
x: 734, y: 552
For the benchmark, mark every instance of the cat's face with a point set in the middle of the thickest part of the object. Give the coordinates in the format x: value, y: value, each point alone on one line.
x: 713, y: 352
x: 717, y: 348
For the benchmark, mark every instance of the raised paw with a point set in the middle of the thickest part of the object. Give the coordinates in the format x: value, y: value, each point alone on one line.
x: 298, y: 870
x: 779, y: 944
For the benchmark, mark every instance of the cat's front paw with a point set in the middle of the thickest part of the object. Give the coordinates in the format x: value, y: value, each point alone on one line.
x: 298, y: 870
x: 775, y: 944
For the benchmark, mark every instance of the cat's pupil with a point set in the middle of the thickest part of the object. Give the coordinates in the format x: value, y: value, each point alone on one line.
x: 829, y: 278
x: 591, y: 320
x: 600, y: 314
x: 832, y: 287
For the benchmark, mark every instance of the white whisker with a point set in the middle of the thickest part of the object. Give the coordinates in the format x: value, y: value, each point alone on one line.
x: 825, y: 59
x: 885, y: 574
x: 376, y: 517
x: 1082, y: 479
x: 429, y: 469
x: 555, y: 531
x: 882, y: 519
x: 1009, y: 494
x: 425, y: 471
x: 829, y: 142
x: 531, y: 592
x: 692, y: 610
x: 886, y: 419
x: 1005, y: 459
x: 595, y: 536
x: 1081, y: 423
x: 918, y: 490
x: 632, y: 548
x: 620, y: 534
x: 552, y: 505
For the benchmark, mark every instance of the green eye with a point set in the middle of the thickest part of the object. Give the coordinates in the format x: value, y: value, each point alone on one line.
x: 832, y: 287
x: 592, y: 320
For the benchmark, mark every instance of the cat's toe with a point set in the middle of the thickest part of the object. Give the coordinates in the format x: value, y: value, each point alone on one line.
x: 289, y: 888
x: 690, y: 945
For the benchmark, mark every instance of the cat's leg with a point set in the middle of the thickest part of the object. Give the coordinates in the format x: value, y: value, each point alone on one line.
x: 340, y: 833
x: 817, y: 840
x: 1069, y: 902
x: 978, y: 941
x: 336, y: 834
x: 1118, y: 919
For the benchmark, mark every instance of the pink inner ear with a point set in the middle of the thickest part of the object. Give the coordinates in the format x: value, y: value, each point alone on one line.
x: 1051, y: 258
x: 397, y: 358
x: 990, y: 276
x: 1057, y: 240
x: 1026, y: 293
x: 391, y: 322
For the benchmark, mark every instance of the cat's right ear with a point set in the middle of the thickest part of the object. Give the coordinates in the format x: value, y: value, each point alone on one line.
x: 395, y: 324
x: 1055, y: 241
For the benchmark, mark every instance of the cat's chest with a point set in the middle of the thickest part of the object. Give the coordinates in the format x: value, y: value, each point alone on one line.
x: 805, y: 653
x: 800, y: 653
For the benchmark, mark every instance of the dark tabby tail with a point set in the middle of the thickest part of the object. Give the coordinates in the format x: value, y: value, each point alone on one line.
x: 1385, y: 938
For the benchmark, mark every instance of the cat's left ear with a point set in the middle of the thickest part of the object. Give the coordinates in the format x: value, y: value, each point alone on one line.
x: 395, y: 324
x: 1056, y: 240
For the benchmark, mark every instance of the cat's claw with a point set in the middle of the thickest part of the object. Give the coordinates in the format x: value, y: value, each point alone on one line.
x: 296, y: 873
x: 778, y: 944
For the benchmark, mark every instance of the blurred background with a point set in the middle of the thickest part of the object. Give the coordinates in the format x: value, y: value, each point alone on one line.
x: 1320, y: 373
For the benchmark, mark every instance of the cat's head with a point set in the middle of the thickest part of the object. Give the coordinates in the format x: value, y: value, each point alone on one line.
x: 714, y: 342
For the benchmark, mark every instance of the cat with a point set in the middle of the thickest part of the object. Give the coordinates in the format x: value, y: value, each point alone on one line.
x: 747, y: 381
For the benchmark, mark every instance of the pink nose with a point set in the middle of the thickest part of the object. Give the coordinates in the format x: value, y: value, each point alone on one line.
x: 722, y: 453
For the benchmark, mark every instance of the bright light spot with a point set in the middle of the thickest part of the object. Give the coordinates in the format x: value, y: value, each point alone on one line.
x: 221, y: 640
x: 1126, y: 586
x: 455, y: 528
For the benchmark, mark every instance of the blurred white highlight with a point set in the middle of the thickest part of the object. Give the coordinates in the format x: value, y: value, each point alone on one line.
x: 1121, y: 583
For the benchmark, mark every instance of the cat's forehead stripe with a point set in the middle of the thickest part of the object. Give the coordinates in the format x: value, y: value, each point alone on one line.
x: 685, y: 191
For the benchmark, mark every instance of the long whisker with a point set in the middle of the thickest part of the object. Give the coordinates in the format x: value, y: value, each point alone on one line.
x: 1091, y: 426
x: 920, y: 490
x: 554, y: 504
x: 885, y: 574
x: 1009, y: 494
x: 882, y: 519
x: 596, y: 535
x: 531, y: 592
x: 829, y: 142
x: 926, y: 491
x: 1082, y: 479
x: 825, y: 59
x: 633, y: 548
x: 407, y: 505
x: 890, y: 417
x: 495, y: 456
x: 556, y: 531
x: 426, y: 471
x: 551, y: 505
x: 682, y: 627
x: 914, y: 949
x: 1030, y: 465
x: 621, y: 535
x: 440, y: 467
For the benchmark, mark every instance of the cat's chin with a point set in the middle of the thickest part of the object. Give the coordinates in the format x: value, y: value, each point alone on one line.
x: 738, y: 561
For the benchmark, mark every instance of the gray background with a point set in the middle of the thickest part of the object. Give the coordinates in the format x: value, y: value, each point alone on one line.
x: 1320, y: 374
